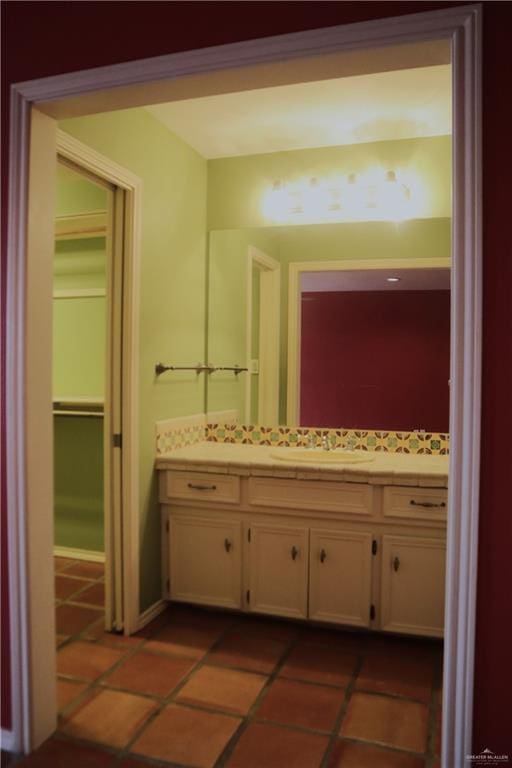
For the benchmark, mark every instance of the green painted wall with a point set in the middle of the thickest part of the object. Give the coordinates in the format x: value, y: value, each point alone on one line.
x: 76, y: 194
x: 78, y: 482
x: 172, y: 288
x: 237, y: 185
x: 79, y: 325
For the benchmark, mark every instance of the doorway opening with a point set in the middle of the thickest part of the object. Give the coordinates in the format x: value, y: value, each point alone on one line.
x: 461, y: 586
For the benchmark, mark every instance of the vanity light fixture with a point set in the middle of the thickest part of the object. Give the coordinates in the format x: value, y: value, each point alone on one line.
x: 352, y: 200
x: 393, y: 279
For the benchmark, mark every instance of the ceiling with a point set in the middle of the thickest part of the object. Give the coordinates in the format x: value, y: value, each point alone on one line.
x: 376, y: 280
x: 401, y: 104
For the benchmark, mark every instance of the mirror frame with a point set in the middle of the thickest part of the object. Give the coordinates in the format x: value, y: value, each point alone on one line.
x: 296, y: 270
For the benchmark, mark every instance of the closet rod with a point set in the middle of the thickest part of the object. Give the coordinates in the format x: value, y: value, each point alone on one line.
x: 71, y: 407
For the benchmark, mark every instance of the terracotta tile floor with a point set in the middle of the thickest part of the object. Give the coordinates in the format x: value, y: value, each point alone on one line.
x: 208, y: 689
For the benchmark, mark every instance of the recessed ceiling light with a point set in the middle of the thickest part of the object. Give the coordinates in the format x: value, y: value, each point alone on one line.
x: 393, y: 279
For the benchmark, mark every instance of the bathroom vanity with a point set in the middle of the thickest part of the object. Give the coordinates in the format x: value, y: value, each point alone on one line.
x: 305, y: 535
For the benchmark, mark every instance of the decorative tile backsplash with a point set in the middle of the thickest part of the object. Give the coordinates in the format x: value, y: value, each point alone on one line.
x: 363, y: 440
x: 180, y: 432
x: 222, y: 427
x: 187, y: 430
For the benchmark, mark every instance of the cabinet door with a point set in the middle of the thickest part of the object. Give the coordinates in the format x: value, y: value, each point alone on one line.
x: 278, y: 570
x: 412, y: 587
x: 340, y: 577
x: 205, y: 561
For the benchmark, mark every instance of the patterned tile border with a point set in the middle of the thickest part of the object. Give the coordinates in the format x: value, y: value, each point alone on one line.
x: 180, y: 432
x: 434, y: 443
x: 222, y: 427
x: 187, y: 430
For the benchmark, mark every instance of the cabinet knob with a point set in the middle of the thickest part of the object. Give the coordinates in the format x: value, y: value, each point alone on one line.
x: 227, y: 545
x: 294, y: 553
x: 395, y: 563
x: 323, y: 555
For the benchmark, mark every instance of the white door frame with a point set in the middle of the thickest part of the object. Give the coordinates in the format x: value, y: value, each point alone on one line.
x: 461, y: 27
x: 269, y: 336
x: 295, y: 271
x: 122, y: 524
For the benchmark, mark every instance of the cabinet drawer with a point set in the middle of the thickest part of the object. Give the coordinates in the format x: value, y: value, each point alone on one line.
x: 415, y: 503
x: 201, y: 486
x: 324, y: 496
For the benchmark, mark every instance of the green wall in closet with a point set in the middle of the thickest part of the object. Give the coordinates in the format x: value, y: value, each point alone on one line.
x: 79, y: 325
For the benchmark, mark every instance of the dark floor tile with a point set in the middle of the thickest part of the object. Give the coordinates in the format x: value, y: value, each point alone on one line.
x: 248, y: 651
x: 86, y: 569
x: 96, y: 630
x: 268, y: 746
x: 403, y: 675
x: 119, y: 642
x: 230, y: 690
x: 62, y: 563
x: 353, y: 754
x: 147, y: 673
x: 65, y: 586
x: 386, y: 720
x: 86, y: 660
x: 72, y: 619
x: 67, y: 690
x: 310, y: 706
x: 326, y: 665
x: 184, y: 640
x: 187, y: 736
x: 351, y: 642
x: 268, y: 629
x: 108, y: 717
x: 60, y: 753
x: 93, y: 595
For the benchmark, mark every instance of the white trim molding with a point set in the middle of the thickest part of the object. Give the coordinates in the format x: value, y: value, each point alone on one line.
x: 459, y: 26
x: 7, y: 741
x: 79, y: 554
x: 269, y: 314
x: 104, y: 168
x: 151, y: 613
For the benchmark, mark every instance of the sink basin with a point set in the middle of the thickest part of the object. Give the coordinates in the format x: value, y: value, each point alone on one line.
x: 317, y: 456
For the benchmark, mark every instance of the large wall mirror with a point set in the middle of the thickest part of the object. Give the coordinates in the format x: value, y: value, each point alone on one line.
x: 336, y: 325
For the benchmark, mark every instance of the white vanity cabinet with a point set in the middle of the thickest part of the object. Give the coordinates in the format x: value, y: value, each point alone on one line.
x: 205, y: 563
x: 278, y: 570
x: 412, y: 585
x: 340, y: 576
x: 359, y: 554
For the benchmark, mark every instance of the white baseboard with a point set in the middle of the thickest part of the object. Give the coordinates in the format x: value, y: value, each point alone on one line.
x: 151, y: 613
x: 7, y: 741
x: 79, y: 554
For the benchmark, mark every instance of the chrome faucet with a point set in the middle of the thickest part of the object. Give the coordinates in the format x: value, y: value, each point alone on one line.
x: 328, y: 442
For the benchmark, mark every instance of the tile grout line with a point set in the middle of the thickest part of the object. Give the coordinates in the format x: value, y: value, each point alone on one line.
x: 250, y: 717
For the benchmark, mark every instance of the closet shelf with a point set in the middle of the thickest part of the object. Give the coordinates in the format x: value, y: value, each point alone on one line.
x: 77, y: 407
x: 81, y: 226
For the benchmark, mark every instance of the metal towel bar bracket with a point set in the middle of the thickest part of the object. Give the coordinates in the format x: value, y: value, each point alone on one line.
x: 199, y: 368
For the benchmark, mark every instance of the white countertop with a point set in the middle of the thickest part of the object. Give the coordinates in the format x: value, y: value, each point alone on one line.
x: 259, y: 460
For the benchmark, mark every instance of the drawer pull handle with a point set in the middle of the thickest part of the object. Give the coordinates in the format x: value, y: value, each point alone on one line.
x: 323, y: 555
x: 227, y: 544
x: 199, y: 487
x: 294, y: 553
x: 395, y: 563
x: 428, y: 504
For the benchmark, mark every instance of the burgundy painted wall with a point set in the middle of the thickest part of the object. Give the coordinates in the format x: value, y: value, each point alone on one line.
x: 375, y: 360
x: 46, y: 38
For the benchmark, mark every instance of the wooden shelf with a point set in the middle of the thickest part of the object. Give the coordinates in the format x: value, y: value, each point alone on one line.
x: 81, y: 226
